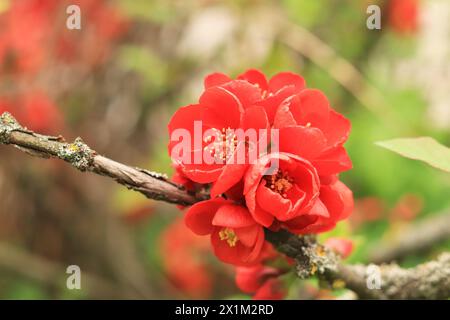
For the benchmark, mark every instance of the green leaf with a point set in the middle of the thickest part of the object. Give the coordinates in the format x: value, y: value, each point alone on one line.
x: 425, y: 149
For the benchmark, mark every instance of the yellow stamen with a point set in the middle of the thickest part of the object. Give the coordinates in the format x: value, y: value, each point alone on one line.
x: 228, y: 235
x: 280, y: 183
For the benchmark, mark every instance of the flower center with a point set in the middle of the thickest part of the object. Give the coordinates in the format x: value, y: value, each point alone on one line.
x: 228, y: 235
x: 224, y: 144
x: 279, y: 182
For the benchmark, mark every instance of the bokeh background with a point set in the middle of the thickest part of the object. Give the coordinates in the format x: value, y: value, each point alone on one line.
x: 116, y: 83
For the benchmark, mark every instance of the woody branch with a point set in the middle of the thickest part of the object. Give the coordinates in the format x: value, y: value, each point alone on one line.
x: 430, y: 280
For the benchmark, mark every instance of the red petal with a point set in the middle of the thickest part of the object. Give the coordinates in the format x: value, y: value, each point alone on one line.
x: 333, y: 162
x: 254, y: 175
x: 300, y: 223
x: 199, y: 217
x: 255, y: 117
x: 255, y: 77
x: 184, y: 118
x: 319, y: 209
x: 233, y: 216
x: 338, y: 199
x: 256, y: 253
x: 301, y: 141
x: 283, y: 117
x: 236, y: 193
x: 238, y: 255
x: 319, y: 227
x: 223, y: 251
x: 250, y: 279
x: 264, y: 218
x: 337, y: 130
x: 273, y: 101
x: 248, y: 235
x: 246, y: 93
x: 329, y: 179
x: 222, y: 104
x: 231, y: 175
x: 216, y: 79
x: 311, y: 106
x: 202, y: 173
x: 272, y: 289
x: 273, y: 202
x: 284, y: 79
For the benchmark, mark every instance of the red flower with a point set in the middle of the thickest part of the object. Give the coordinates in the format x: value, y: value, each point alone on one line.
x: 303, y: 193
x: 341, y: 245
x: 311, y: 109
x: 261, y: 281
x: 28, y: 38
x: 34, y: 110
x: 249, y: 102
x: 272, y: 289
x: 220, y: 111
x: 24, y: 30
x: 40, y: 113
x: 184, y: 257
x: 236, y: 238
x: 403, y: 15
x: 289, y: 192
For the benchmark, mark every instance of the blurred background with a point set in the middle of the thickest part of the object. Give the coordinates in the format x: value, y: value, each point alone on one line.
x: 116, y: 83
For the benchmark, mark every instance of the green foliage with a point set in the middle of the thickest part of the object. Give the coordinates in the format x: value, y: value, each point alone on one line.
x: 425, y: 149
x: 26, y: 290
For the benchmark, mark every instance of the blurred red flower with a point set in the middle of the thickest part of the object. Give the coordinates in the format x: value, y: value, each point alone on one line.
x: 342, y: 246
x: 404, y: 15
x: 407, y: 207
x: 261, y: 281
x: 367, y: 209
x: 34, y: 32
x: 184, y: 257
x: 35, y: 110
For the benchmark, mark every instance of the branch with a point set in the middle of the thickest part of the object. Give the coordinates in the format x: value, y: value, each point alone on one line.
x: 417, y: 238
x: 430, y: 280
x: 153, y: 185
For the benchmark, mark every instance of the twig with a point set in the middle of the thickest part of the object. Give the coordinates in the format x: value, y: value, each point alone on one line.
x: 346, y: 74
x: 430, y: 280
x: 79, y: 155
x: 417, y: 238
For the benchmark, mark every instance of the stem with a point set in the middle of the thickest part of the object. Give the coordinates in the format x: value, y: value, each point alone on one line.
x: 151, y: 184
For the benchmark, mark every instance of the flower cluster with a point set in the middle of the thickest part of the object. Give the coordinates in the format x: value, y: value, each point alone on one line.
x: 404, y: 16
x: 184, y: 258
x: 34, y: 33
x: 292, y: 183
x: 35, y: 109
x: 34, y: 39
